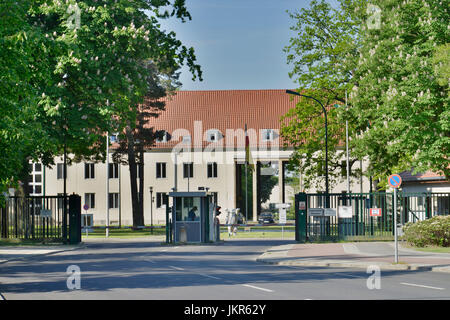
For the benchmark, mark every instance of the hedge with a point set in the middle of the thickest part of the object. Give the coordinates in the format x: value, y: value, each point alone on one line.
x: 434, y: 232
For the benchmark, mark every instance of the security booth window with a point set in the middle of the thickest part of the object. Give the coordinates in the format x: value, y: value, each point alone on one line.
x: 188, y: 209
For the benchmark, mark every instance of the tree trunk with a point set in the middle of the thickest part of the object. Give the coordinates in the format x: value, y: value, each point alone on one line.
x: 141, y: 185
x: 137, y: 217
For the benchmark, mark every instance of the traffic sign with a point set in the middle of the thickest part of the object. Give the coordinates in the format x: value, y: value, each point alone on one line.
x: 86, y: 207
x: 375, y: 212
x: 395, y: 181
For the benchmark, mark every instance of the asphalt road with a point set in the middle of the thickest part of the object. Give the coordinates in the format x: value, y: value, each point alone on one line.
x: 139, y: 270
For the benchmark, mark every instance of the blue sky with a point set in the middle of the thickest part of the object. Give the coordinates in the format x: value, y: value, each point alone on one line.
x: 238, y: 43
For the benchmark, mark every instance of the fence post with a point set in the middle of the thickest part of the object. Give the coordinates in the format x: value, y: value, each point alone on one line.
x: 74, y: 219
x: 428, y: 207
x: 301, y: 222
x: 4, y: 224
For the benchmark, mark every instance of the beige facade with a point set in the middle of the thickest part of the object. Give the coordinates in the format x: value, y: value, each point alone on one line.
x: 83, y: 182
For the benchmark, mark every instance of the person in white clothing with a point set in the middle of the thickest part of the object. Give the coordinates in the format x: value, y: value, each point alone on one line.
x: 231, y: 220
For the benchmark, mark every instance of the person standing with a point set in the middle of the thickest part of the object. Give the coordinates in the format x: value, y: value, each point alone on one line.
x: 191, y: 214
x: 231, y: 220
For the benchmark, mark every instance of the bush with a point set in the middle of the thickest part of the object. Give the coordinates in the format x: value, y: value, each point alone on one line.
x: 434, y: 232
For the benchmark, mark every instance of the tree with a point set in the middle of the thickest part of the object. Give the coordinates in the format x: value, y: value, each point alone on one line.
x: 139, y: 137
x: 399, y: 105
x: 323, y: 56
x: 79, y: 68
x: 23, y: 62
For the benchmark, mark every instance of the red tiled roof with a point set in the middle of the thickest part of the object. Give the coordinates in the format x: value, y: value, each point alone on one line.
x: 407, y: 176
x: 222, y: 110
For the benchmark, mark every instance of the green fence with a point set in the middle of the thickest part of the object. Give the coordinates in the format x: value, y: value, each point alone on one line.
x: 352, y: 216
x: 41, y: 218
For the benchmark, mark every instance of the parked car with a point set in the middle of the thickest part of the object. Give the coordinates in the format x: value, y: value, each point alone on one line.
x: 266, y: 217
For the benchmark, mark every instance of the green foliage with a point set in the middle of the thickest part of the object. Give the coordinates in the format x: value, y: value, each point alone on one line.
x: 72, y: 70
x: 431, y: 232
x: 392, y: 57
x: 323, y: 56
x: 397, y: 93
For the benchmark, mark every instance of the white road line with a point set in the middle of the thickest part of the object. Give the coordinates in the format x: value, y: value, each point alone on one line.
x: 176, y: 268
x: 258, y: 288
x: 421, y: 285
x: 209, y: 276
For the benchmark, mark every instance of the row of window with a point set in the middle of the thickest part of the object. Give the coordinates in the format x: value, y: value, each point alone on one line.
x: 162, y: 198
x: 215, y: 135
x: 161, y: 172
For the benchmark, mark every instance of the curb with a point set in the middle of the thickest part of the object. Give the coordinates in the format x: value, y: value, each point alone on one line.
x: 382, y: 265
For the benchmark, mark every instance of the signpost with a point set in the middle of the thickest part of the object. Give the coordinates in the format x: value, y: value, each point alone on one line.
x: 282, y: 215
x: 86, y: 221
x: 395, y: 181
x: 345, y: 212
x: 375, y: 212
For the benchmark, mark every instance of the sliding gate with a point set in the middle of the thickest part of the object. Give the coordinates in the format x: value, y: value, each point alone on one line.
x: 354, y: 216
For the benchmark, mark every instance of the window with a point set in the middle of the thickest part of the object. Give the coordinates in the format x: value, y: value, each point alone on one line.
x: 164, y: 138
x: 37, y: 167
x: 160, y: 170
x: 161, y: 199
x: 89, y: 199
x: 113, y: 171
x: 213, y: 135
x: 89, y: 171
x: 212, y: 170
x: 188, y: 170
x: 113, y: 200
x: 344, y: 169
x: 267, y: 134
x: 60, y: 170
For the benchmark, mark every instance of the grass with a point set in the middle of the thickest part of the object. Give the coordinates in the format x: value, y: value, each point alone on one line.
x: 430, y: 249
x: 13, y: 242
x: 124, y: 233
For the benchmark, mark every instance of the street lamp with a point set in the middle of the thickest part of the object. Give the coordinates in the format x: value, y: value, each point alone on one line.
x: 346, y: 144
x: 326, y: 141
x: 151, y: 207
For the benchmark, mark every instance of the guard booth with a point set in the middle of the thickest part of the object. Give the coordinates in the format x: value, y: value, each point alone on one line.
x: 192, y: 217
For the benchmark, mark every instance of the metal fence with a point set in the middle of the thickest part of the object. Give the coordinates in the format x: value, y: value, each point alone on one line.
x: 330, y: 225
x: 34, y: 217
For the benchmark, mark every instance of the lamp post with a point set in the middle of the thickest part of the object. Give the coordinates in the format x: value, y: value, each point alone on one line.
x: 346, y: 144
x: 151, y: 207
x: 326, y: 141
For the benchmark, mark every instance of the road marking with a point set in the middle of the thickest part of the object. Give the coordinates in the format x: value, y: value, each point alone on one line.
x: 421, y: 285
x: 209, y: 276
x: 176, y: 268
x: 258, y: 288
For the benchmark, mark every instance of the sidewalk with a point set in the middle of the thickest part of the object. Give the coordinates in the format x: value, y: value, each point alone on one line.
x: 356, y: 255
x: 15, y: 253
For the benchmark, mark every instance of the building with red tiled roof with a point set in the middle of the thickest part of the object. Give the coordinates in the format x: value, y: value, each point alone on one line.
x: 424, y: 182
x: 205, y: 146
x: 222, y: 110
